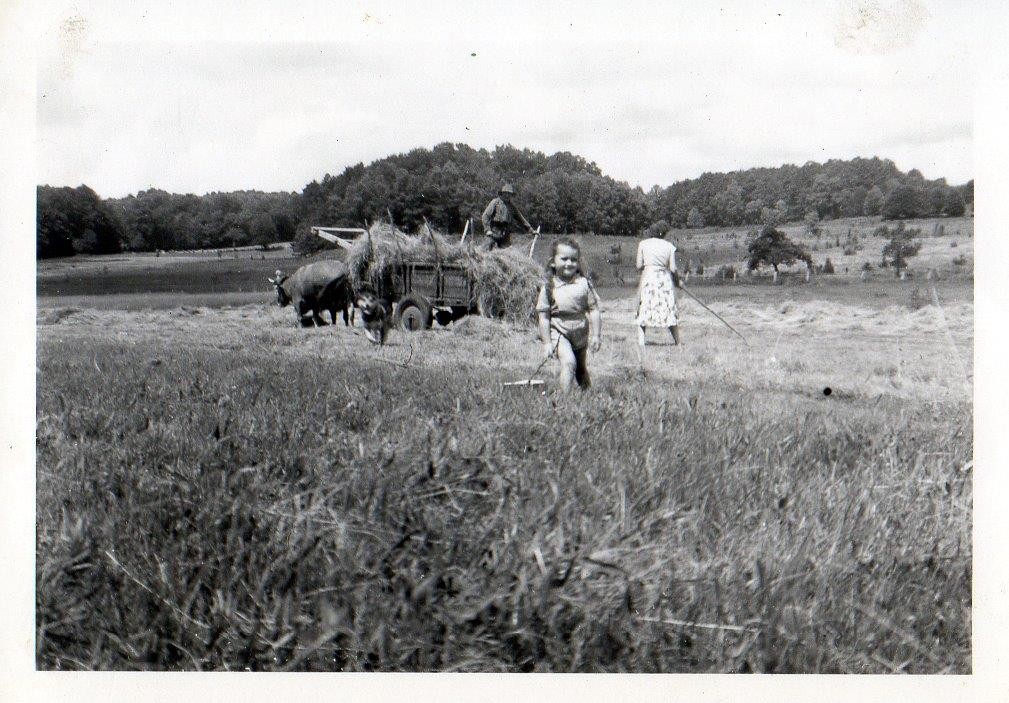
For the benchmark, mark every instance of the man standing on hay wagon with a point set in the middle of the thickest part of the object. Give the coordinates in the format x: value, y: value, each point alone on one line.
x: 499, y: 219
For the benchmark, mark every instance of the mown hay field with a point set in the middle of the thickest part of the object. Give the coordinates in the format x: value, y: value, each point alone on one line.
x: 218, y: 490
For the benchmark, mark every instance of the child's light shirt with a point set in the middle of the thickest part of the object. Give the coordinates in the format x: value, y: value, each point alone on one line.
x: 572, y: 300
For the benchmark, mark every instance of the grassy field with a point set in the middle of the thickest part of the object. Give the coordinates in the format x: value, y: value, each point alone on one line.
x: 220, y: 490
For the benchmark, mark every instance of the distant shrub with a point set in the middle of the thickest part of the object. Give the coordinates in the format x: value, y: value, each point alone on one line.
x: 812, y: 223
x: 772, y: 217
x: 656, y: 228
x: 694, y: 218
x: 954, y: 205
x: 850, y: 250
x: 727, y: 271
x: 828, y: 266
x: 306, y: 243
x: 903, y: 202
x: 901, y: 229
x: 960, y: 260
x: 900, y: 248
x: 953, y: 244
x: 867, y: 266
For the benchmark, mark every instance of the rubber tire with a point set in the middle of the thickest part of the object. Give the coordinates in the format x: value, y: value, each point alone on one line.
x: 414, y: 314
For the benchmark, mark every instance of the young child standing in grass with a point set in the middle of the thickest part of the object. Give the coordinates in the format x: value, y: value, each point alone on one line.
x: 569, y: 318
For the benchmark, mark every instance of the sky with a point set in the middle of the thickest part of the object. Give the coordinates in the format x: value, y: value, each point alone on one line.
x: 190, y: 97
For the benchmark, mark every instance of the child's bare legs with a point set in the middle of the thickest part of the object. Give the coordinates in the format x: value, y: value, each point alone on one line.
x: 574, y: 366
x: 675, y: 331
x: 582, y: 368
x: 641, y: 346
x: 569, y: 363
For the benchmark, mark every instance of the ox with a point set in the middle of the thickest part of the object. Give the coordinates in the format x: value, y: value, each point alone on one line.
x: 322, y: 285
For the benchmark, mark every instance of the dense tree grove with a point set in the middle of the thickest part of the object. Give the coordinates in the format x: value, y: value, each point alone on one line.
x: 450, y: 183
x: 453, y: 182
x: 155, y: 219
x: 75, y: 220
x: 834, y: 189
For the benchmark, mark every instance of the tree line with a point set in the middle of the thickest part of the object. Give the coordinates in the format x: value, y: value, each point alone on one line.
x: 77, y: 221
x: 835, y: 189
x: 452, y: 183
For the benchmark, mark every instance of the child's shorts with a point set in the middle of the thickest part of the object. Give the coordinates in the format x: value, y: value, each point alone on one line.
x: 577, y: 335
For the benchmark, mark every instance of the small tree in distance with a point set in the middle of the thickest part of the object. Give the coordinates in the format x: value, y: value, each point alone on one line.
x: 264, y: 232
x: 812, y: 221
x: 901, y: 203
x: 873, y: 204
x: 774, y: 248
x: 694, y: 218
x: 656, y: 228
x: 954, y: 205
x: 774, y: 216
x: 900, y: 248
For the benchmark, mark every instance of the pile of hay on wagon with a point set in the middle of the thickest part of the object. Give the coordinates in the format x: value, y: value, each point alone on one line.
x: 505, y: 281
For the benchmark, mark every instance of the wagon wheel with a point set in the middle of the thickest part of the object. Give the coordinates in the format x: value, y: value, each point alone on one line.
x: 414, y: 313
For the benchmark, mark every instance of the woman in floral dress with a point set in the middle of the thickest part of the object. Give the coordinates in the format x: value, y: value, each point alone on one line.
x: 656, y: 261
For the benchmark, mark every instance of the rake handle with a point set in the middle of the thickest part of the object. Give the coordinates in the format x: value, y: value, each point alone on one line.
x: 698, y: 300
x: 545, y: 360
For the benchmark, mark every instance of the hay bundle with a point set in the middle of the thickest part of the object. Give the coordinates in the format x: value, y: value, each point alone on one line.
x: 505, y: 281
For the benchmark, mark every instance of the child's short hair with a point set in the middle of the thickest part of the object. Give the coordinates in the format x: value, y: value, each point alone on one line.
x: 548, y: 283
x: 567, y: 242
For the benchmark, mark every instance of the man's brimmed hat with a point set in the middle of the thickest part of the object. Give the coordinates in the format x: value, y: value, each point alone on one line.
x: 507, y: 188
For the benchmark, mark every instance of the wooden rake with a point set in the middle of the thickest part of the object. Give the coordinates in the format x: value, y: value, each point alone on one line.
x: 532, y: 380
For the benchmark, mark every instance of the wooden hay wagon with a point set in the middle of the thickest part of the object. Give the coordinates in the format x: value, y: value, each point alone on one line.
x: 422, y: 291
x: 426, y: 292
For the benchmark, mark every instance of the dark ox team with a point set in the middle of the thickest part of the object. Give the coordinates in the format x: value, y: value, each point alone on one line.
x: 325, y: 285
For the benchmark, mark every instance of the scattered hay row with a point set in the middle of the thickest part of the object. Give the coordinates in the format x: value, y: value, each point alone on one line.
x: 823, y: 316
x: 505, y: 280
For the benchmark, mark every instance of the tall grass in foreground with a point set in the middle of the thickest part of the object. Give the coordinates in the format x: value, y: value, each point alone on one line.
x: 208, y: 509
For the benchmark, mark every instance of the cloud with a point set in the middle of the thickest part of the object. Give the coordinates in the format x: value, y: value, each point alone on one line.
x: 696, y: 90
